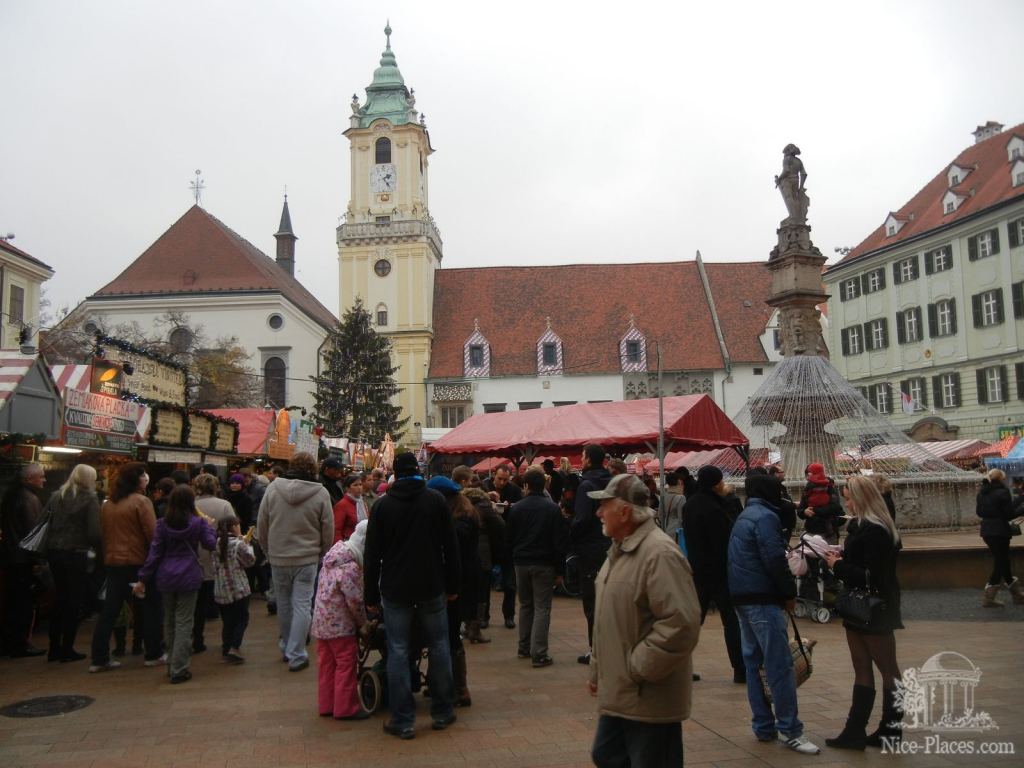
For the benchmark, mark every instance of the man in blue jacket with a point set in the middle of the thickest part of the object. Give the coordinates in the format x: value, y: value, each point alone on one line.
x: 763, y: 593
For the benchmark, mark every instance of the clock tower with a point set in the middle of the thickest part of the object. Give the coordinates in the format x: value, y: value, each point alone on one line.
x: 388, y: 244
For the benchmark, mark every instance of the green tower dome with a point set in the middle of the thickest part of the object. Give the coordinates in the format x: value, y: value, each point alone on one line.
x: 387, y: 95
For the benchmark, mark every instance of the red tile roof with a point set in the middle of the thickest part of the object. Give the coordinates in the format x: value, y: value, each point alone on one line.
x: 990, y: 182
x: 201, y: 254
x: 590, y: 307
x: 15, y: 251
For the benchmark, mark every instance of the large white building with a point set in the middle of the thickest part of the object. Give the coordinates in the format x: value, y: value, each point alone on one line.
x: 928, y: 311
x: 21, y: 280
x: 202, y: 269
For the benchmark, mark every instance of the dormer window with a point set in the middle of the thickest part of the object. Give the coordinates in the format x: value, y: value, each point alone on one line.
x: 633, y: 350
x: 956, y: 174
x: 1017, y: 172
x: 951, y: 201
x: 549, y: 353
x: 893, y: 225
x: 476, y: 354
x: 1015, y: 149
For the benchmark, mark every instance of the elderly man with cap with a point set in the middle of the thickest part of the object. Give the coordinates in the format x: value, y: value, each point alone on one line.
x: 412, y: 569
x: 763, y: 592
x: 646, y: 625
x: 708, y: 525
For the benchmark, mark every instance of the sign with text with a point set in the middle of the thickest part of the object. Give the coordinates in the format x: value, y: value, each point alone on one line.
x: 168, y: 427
x: 106, y: 378
x: 224, y: 437
x: 153, y: 380
x: 99, y: 422
x: 1015, y: 430
x: 200, y: 431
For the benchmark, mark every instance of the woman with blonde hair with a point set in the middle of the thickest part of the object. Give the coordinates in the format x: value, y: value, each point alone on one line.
x: 868, y: 561
x: 995, y: 508
x: 74, y: 528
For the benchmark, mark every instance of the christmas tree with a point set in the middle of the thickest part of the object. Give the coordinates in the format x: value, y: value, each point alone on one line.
x: 353, y: 392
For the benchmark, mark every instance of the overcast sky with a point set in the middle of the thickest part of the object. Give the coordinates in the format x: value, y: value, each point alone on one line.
x: 564, y: 132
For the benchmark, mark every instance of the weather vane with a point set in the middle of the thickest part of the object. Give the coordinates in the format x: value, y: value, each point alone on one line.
x: 197, y: 186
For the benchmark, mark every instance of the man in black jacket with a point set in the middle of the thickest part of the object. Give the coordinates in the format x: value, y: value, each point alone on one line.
x: 708, y: 525
x: 589, y: 544
x: 330, y: 476
x: 505, y: 493
x: 411, y: 569
x: 536, y: 537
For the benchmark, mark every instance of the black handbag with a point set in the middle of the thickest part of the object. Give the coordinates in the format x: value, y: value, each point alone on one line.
x: 858, y: 606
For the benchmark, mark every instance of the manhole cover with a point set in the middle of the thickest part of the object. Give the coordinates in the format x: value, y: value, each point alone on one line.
x: 46, y: 706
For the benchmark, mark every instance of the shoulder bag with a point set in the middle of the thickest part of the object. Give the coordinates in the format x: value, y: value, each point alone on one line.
x: 858, y: 606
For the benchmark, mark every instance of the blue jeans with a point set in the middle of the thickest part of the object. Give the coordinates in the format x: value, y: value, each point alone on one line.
x: 293, y: 586
x: 621, y: 743
x: 432, y: 616
x: 765, y: 636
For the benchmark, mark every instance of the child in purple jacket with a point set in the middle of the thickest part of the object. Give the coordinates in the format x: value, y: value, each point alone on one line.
x: 174, y: 558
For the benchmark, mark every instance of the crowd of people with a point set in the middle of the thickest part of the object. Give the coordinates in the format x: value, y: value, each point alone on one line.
x: 342, y: 557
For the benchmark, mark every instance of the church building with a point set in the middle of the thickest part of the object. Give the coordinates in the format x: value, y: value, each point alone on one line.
x: 492, y: 339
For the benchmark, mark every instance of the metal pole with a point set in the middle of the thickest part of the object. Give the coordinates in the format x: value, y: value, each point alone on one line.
x: 661, y: 437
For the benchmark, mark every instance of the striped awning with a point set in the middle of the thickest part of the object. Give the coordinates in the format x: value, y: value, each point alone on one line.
x: 13, y: 367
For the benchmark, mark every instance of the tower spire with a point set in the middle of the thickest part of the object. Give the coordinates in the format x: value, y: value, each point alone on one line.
x: 286, y: 240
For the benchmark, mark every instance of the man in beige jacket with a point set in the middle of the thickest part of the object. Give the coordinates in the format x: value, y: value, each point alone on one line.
x: 646, y: 625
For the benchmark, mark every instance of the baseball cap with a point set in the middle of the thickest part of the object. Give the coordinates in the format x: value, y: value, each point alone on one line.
x: 333, y: 462
x: 627, y: 488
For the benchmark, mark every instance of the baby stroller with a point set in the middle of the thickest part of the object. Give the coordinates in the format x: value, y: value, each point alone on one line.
x: 816, y: 590
x: 373, y: 677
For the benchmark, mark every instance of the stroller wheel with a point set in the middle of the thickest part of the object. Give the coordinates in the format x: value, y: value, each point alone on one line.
x: 370, y: 690
x: 800, y: 610
x: 822, y: 615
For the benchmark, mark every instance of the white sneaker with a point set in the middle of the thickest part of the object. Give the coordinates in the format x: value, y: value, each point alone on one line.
x: 155, y: 662
x: 800, y: 744
x: 104, y: 667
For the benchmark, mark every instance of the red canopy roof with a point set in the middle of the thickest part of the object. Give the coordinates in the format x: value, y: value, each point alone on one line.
x: 491, y: 464
x: 692, y: 422
x: 254, y: 426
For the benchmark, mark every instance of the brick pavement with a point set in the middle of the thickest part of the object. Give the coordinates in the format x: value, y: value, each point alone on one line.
x: 261, y: 715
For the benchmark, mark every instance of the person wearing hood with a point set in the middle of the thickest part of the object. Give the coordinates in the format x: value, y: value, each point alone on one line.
x: 240, y: 500
x: 708, y: 525
x: 295, y: 528
x: 337, y: 619
x: 174, y: 562
x: 412, y: 570
x: 763, y: 592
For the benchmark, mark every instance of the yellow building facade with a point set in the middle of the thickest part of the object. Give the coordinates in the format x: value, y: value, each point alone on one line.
x: 388, y: 244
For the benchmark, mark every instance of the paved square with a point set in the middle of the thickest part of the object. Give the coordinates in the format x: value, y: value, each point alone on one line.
x: 261, y: 715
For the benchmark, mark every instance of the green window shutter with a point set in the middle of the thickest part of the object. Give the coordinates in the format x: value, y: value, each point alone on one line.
x: 864, y: 283
x: 895, y: 273
x: 1014, y: 232
x: 956, y: 390
x: 881, y: 279
x: 901, y: 336
x: 885, y: 332
x: 1000, y: 315
x: 866, y: 331
x: 937, y: 390
x: 920, y: 327
x: 929, y: 262
x: 982, y: 389
x: 844, y: 338
x: 1018, y: 370
x: 924, y: 391
x: 933, y: 320
x: 1017, y: 292
x: 952, y: 317
x: 1004, y: 384
x: 972, y: 248
x: 914, y: 269
x: 995, y: 241
x: 976, y: 310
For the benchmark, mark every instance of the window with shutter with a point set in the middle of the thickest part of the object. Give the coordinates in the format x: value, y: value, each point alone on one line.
x: 987, y: 308
x: 1017, y: 292
x: 981, y: 376
x: 945, y: 322
x: 1016, y: 232
x: 939, y: 260
x: 1018, y: 371
x: 901, y: 335
x: 909, y: 326
x: 918, y: 393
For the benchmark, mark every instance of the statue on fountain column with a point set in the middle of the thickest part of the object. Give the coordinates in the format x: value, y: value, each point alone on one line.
x: 800, y: 329
x: 791, y: 184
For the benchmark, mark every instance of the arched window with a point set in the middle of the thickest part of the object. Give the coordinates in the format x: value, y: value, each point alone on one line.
x: 383, y: 150
x: 382, y: 314
x: 180, y: 339
x: 273, y: 382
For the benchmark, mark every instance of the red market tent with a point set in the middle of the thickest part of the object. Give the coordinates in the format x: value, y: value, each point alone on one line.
x: 692, y: 422
x: 255, y: 426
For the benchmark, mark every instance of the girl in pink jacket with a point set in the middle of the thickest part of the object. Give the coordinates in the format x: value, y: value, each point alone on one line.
x: 337, y: 618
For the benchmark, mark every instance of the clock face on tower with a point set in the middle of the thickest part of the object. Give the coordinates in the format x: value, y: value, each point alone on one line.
x: 383, y: 178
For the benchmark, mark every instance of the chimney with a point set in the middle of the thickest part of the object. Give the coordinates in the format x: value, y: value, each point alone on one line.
x: 989, y: 129
x: 286, y: 241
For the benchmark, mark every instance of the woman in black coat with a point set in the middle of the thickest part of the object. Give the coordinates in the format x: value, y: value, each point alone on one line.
x: 995, y: 508
x: 868, y: 561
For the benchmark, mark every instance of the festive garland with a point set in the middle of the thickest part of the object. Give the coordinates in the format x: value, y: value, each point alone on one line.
x: 160, y: 405
x: 229, y: 422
